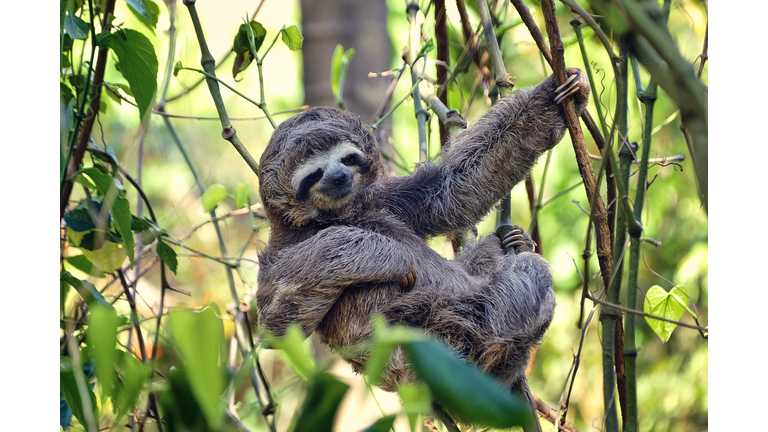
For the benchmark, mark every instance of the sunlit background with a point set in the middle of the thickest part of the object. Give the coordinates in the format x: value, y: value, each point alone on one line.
x: 672, y: 377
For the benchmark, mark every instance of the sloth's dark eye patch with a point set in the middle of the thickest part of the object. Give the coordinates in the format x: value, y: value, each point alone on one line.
x: 307, y: 183
x: 351, y: 159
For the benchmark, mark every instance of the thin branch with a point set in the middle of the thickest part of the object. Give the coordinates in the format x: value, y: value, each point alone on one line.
x: 643, y: 314
x: 703, y: 55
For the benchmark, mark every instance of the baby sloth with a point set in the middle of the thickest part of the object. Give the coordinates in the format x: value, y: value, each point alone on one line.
x: 347, y: 242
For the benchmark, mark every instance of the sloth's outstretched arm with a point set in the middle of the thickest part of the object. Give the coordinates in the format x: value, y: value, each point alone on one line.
x: 302, y: 282
x: 483, y: 163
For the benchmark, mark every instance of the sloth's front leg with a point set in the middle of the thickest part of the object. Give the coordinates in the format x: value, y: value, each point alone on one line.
x: 307, y: 279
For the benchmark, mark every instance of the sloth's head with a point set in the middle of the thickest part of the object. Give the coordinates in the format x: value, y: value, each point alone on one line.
x: 317, y: 167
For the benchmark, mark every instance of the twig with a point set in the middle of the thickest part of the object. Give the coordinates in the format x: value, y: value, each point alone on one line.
x: 254, y: 209
x: 551, y: 415
x: 637, y: 312
x: 703, y: 55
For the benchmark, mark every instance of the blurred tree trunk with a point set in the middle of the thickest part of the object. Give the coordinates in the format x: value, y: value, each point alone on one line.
x: 361, y: 25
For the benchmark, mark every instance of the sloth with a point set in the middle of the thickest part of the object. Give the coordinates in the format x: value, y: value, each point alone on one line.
x: 347, y: 242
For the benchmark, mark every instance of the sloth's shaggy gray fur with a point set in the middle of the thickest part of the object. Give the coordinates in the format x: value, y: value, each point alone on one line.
x: 344, y: 238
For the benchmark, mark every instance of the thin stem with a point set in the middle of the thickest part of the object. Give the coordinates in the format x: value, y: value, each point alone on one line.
x: 229, y: 133
x: 413, y: 50
x: 505, y: 83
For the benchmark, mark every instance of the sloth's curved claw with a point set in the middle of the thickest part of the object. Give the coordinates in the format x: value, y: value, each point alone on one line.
x: 514, y: 240
x: 568, y: 88
x: 408, y: 281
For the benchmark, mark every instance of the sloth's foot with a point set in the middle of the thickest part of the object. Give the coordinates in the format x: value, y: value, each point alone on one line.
x: 408, y: 281
x: 514, y: 240
x: 572, y: 85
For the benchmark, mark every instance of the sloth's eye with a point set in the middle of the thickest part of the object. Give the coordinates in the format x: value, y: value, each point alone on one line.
x: 315, y: 176
x: 307, y: 183
x: 350, y: 159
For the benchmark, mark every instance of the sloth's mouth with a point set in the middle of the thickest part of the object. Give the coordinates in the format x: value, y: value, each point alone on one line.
x: 337, y: 192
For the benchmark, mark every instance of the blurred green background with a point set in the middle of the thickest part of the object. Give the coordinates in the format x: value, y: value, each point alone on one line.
x: 672, y: 387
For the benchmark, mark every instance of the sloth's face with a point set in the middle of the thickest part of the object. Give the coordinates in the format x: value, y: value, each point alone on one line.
x: 330, y: 179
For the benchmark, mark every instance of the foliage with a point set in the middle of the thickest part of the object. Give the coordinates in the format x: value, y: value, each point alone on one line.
x: 139, y: 343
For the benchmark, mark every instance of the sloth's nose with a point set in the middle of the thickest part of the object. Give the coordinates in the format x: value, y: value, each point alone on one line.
x: 339, y: 178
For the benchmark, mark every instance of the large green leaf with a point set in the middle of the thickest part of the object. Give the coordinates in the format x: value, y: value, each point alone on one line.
x: 670, y: 305
x: 101, y: 338
x: 324, y: 394
x: 138, y: 64
x: 463, y: 389
x: 199, y: 337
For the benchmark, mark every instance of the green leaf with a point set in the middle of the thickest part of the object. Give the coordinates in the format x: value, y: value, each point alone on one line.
x: 101, y: 338
x: 292, y: 38
x: 296, y: 354
x: 324, y: 394
x: 241, y: 43
x: 384, y: 341
x: 102, y: 182
x: 121, y: 212
x: 81, y: 263
x: 65, y: 412
x: 166, y: 253
x: 146, y: 11
x: 199, y: 337
x: 213, y: 195
x: 139, y: 224
x: 176, y: 68
x: 68, y: 388
x: 75, y: 27
x: 339, y: 66
x: 247, y: 42
x: 87, y: 291
x: 463, y: 389
x: 108, y: 257
x: 138, y: 64
x: 415, y: 399
x: 134, y: 374
x: 242, y: 194
x: 383, y: 424
x: 667, y: 305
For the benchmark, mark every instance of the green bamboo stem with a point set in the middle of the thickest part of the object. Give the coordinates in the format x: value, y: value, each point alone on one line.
x: 658, y: 53
x: 648, y: 98
x: 505, y: 83
x: 413, y: 49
